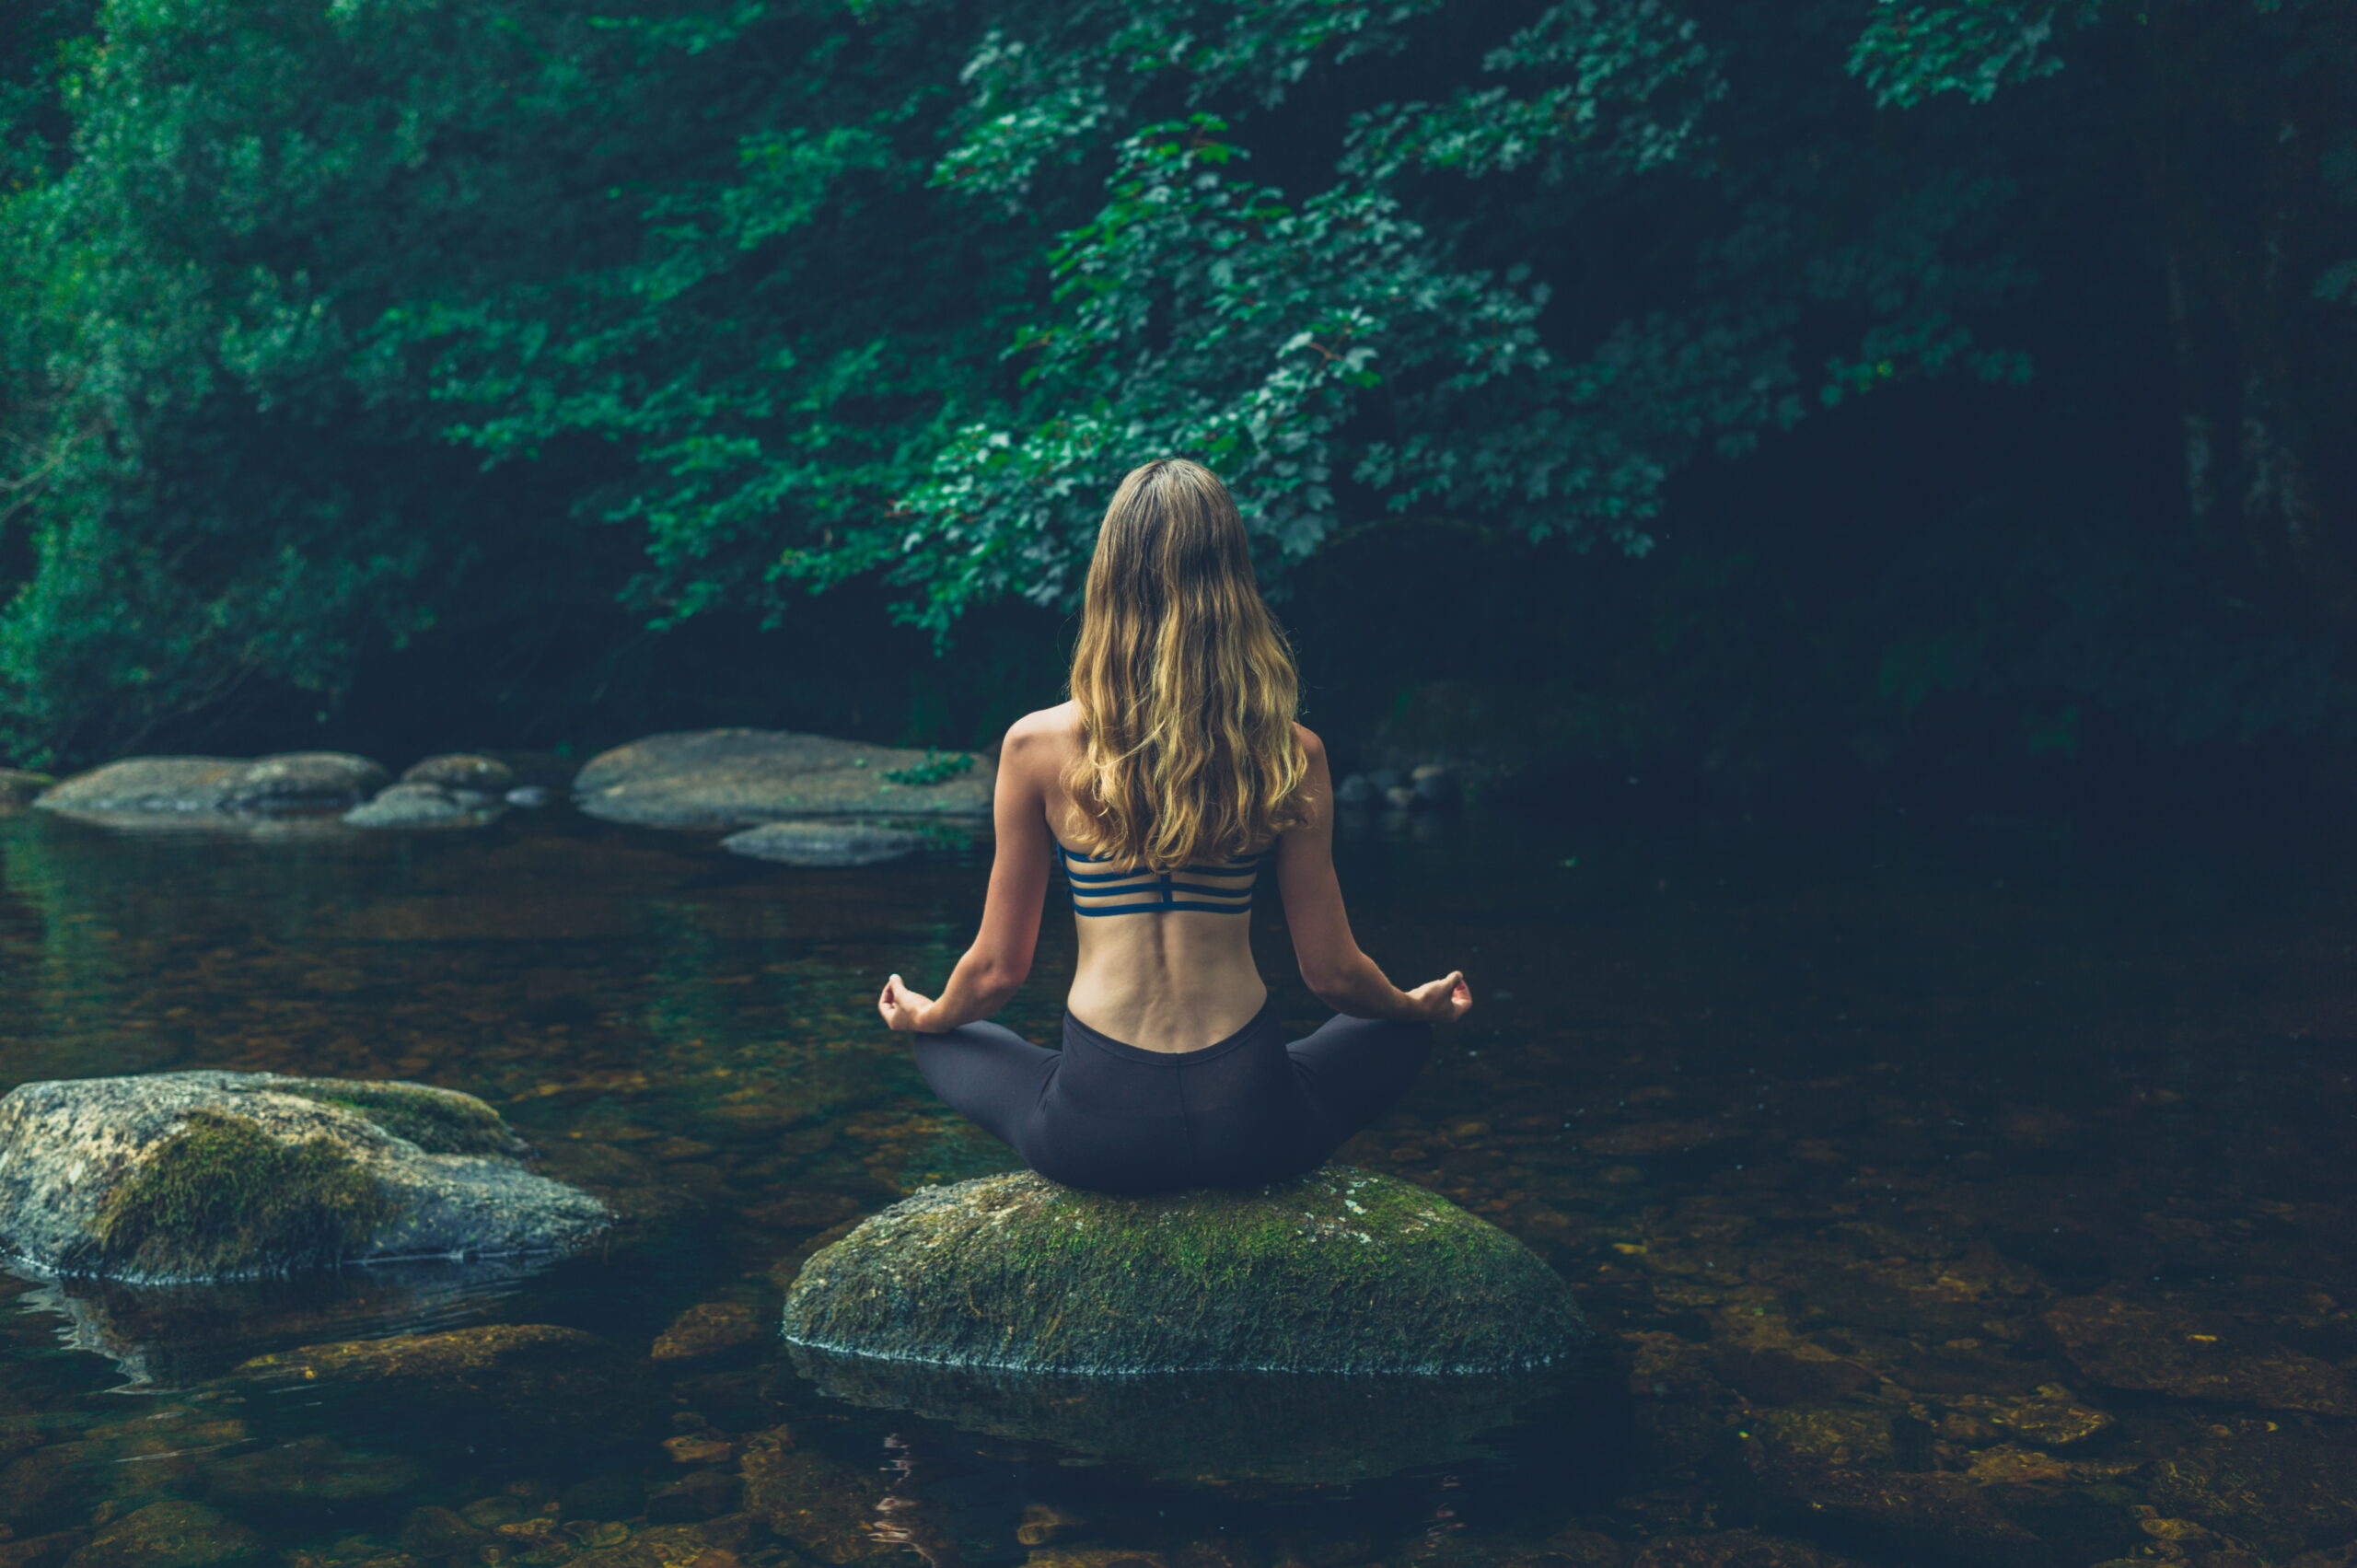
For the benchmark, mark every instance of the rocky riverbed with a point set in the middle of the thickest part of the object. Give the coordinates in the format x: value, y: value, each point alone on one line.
x: 1920, y: 1219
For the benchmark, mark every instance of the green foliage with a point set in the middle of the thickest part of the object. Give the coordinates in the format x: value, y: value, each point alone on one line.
x: 936, y: 767
x: 328, y: 330
x: 221, y: 1197
x: 224, y: 491
x: 1914, y: 49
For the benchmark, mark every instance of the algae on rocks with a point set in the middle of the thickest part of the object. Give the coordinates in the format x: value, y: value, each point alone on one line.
x: 217, y: 1175
x: 1340, y: 1272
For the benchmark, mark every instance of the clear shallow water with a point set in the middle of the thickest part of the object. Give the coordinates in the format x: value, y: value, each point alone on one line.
x: 1970, y: 1196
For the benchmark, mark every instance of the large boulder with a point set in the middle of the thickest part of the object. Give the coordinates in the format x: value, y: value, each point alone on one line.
x: 734, y: 778
x: 213, y: 1175
x: 1342, y: 1272
x: 294, y: 781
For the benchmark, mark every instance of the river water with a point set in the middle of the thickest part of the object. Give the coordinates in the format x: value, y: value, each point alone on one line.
x: 1969, y: 1194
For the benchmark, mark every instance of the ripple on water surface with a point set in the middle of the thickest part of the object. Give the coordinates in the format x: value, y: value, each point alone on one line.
x: 1968, y: 1198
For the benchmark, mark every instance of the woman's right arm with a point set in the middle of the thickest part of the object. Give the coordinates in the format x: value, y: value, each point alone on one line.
x: 1331, y: 965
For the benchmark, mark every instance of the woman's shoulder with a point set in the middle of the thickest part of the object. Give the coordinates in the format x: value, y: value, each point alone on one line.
x: 1046, y: 736
x: 1059, y: 723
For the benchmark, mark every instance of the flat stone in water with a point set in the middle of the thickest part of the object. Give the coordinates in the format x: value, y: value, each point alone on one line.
x: 312, y: 1469
x: 2162, y: 1347
x: 559, y: 1380
x: 1343, y: 1272
x: 419, y: 805
x: 216, y: 1175
x: 824, y: 844
x: 293, y: 781
x: 734, y: 778
x: 2282, y: 1491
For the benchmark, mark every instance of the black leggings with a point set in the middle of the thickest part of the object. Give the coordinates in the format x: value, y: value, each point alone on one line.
x: 1111, y: 1117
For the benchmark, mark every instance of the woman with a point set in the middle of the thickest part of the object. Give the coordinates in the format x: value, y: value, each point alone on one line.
x: 1170, y: 782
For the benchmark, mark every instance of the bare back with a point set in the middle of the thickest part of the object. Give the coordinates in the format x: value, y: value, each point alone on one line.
x: 1181, y: 976
x: 1174, y: 979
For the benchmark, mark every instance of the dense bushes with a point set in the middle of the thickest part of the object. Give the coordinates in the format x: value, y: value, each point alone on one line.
x: 380, y: 336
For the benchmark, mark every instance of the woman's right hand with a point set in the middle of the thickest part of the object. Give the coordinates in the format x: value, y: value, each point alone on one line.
x: 1441, y: 1001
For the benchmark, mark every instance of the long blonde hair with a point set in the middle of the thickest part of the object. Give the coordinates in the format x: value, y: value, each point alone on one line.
x: 1186, y: 688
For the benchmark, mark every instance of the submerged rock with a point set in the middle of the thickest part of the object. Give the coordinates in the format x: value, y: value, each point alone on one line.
x: 1342, y: 1272
x: 826, y: 1508
x: 1734, y: 1549
x: 1913, y: 1517
x: 293, y: 781
x: 536, y: 1375
x: 710, y: 1329
x: 734, y: 778
x: 216, y: 1175
x: 315, y: 1470
x: 171, y: 1533
x: 2051, y: 1418
x: 410, y: 804
x: 2282, y: 1491
x: 824, y: 844
x: 2162, y: 1348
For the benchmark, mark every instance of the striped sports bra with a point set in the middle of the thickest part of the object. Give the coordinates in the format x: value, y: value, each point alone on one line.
x: 1214, y: 890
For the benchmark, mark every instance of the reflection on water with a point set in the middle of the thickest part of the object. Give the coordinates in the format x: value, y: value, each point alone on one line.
x: 170, y: 1337
x: 1239, y: 1427
x: 1967, y: 1197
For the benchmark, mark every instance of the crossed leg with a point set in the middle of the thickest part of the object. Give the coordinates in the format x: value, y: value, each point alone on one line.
x: 1353, y: 1069
x: 988, y: 1075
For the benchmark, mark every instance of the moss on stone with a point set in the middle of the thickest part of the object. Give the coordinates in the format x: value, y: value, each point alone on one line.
x: 439, y: 1122
x: 1343, y: 1271
x: 220, y: 1196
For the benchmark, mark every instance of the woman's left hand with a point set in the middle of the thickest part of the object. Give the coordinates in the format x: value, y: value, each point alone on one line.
x: 901, y: 1006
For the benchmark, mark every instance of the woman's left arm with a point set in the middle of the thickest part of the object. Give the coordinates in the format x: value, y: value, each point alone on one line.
x: 994, y: 967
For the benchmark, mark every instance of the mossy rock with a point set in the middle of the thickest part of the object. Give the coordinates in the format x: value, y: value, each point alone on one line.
x: 177, y: 1177
x: 1343, y: 1272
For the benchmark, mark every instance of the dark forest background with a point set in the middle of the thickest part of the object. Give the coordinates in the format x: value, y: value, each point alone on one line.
x: 1814, y: 401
